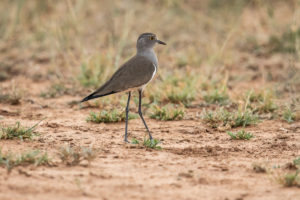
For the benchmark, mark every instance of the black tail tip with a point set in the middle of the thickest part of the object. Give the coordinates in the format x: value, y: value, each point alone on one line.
x: 94, y: 95
x: 85, y: 99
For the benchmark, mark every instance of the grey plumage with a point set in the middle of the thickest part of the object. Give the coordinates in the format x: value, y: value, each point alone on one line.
x: 136, y: 73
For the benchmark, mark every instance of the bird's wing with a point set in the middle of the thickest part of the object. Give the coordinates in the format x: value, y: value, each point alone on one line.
x: 134, y: 73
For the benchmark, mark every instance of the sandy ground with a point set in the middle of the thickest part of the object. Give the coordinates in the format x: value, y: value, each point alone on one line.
x: 196, y: 162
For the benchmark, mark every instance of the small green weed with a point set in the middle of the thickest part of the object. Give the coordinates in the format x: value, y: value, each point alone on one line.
x: 32, y: 157
x: 167, y: 113
x: 114, y: 115
x: 240, y: 135
x: 244, y: 118
x: 224, y: 118
x: 296, y: 162
x: 152, y: 144
x: 18, y: 131
x: 289, y: 115
x: 290, y: 179
x: 74, y: 156
x: 134, y: 141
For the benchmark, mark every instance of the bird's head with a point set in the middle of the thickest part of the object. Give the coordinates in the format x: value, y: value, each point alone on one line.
x: 148, y: 40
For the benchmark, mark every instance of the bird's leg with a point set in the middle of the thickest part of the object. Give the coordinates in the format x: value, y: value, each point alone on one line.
x: 126, y: 120
x: 141, y: 114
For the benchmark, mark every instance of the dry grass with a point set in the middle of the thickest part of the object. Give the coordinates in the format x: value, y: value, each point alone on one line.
x: 11, y: 96
x: 72, y: 156
x: 63, y: 34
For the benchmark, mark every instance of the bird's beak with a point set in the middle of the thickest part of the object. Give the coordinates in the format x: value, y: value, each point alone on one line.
x: 160, y: 42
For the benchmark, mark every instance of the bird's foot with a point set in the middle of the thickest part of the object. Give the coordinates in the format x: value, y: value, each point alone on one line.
x: 150, y: 137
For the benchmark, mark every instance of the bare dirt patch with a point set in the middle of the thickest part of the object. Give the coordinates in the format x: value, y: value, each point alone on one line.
x: 194, y: 163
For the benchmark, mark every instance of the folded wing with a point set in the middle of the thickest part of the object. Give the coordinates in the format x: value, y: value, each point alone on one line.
x: 134, y: 73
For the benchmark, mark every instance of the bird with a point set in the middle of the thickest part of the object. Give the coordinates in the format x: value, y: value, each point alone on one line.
x: 133, y: 75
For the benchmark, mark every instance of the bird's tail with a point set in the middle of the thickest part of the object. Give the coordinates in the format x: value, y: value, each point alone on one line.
x: 95, y: 95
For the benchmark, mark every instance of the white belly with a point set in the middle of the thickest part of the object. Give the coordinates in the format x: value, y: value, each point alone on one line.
x: 155, y: 70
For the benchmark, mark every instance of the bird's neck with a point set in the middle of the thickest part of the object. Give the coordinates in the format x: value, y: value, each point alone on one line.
x: 149, y: 54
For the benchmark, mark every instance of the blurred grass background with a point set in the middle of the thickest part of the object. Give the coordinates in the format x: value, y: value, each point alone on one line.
x: 218, y: 50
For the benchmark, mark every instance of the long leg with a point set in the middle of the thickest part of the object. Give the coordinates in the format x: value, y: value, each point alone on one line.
x: 141, y: 114
x: 126, y: 120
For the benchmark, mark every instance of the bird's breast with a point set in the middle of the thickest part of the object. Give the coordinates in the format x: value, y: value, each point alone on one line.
x: 150, y: 55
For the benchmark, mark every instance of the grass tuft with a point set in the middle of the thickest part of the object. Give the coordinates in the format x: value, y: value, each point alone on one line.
x: 13, y: 97
x: 95, y: 70
x: 217, y: 97
x: 175, y: 88
x: 184, y: 96
x: 29, y: 158
x: 134, y: 141
x: 152, y: 144
x: 88, y: 154
x: 74, y: 156
x: 224, y: 118
x: 182, y: 92
x: 167, y: 113
x: 290, y: 179
x: 18, y: 131
x: 240, y: 135
x: 296, y: 162
x: 261, y: 102
x: 289, y: 115
x: 286, y: 43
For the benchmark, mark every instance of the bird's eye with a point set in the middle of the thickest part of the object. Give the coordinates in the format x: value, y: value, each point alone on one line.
x: 151, y: 37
